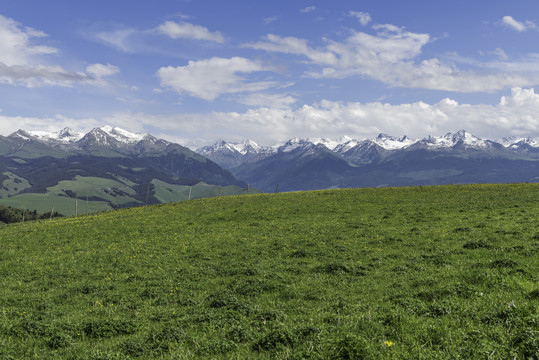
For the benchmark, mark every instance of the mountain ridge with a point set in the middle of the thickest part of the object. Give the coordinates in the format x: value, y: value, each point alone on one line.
x: 109, y: 166
x: 317, y: 163
x: 385, y: 143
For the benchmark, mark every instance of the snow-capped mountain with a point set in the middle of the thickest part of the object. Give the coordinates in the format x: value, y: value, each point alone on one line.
x: 317, y: 163
x: 360, y: 151
x: 245, y: 147
x: 520, y: 144
x: 329, y: 143
x: 105, y: 138
x: 291, y: 144
x: 136, y: 163
x: 230, y: 155
x: 122, y: 135
x: 68, y: 136
x: 296, y: 164
x: 388, y: 142
x: 461, y: 139
x: 65, y: 135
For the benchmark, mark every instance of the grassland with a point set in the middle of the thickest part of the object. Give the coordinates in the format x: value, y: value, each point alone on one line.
x: 447, y: 272
x: 96, y: 194
x: 62, y: 204
x: 165, y: 192
x: 12, y: 184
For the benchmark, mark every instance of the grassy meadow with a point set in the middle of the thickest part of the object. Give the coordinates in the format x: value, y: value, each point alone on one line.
x: 445, y: 272
x: 86, y: 194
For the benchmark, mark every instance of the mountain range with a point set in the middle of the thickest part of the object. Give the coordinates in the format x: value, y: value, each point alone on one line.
x: 302, y: 164
x: 109, y: 167
x: 105, y: 168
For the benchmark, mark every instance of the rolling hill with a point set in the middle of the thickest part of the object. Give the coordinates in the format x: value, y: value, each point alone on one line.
x: 393, y: 273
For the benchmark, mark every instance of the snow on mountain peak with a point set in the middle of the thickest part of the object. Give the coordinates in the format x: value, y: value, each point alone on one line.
x: 65, y: 135
x: 329, y: 143
x: 515, y: 141
x: 389, y: 142
x: 290, y: 145
x: 451, y: 139
x: 246, y: 146
x: 122, y: 135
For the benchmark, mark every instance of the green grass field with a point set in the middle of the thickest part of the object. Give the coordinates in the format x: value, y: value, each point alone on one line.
x: 448, y: 272
x: 44, y: 203
x: 165, y: 192
x: 96, y: 194
x: 12, y: 185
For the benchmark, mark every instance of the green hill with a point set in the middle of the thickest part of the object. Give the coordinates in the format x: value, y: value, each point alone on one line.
x: 448, y: 272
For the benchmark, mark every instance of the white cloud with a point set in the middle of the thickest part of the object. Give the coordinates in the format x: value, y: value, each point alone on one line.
x: 515, y: 114
x: 293, y: 45
x: 22, y: 63
x: 189, y: 31
x: 16, y: 46
x: 518, y: 25
x: 308, y: 9
x: 363, y: 17
x: 208, y: 79
x: 100, y: 70
x: 393, y: 56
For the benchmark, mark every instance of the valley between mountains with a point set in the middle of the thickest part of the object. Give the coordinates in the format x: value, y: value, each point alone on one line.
x: 108, y: 167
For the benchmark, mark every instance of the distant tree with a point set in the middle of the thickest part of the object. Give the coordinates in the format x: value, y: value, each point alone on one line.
x: 9, y: 215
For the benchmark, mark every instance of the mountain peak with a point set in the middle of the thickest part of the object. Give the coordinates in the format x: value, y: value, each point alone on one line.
x: 122, y: 135
x: 389, y: 142
x: 65, y: 135
x: 461, y: 135
x: 461, y: 138
x: 23, y: 134
x: 68, y: 134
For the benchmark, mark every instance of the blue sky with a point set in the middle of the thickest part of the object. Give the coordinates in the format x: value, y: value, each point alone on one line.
x: 196, y: 71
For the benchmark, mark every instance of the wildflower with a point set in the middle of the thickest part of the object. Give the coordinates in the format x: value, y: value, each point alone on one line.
x: 388, y: 343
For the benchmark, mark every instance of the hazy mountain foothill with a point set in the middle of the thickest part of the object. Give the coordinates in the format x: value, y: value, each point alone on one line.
x: 308, y: 164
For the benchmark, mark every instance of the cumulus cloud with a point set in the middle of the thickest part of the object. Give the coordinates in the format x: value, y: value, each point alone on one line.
x: 187, y: 30
x: 210, y: 78
x: 21, y: 60
x: 518, y: 25
x: 394, y: 56
x: 363, y: 17
x: 514, y: 114
x: 16, y: 47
